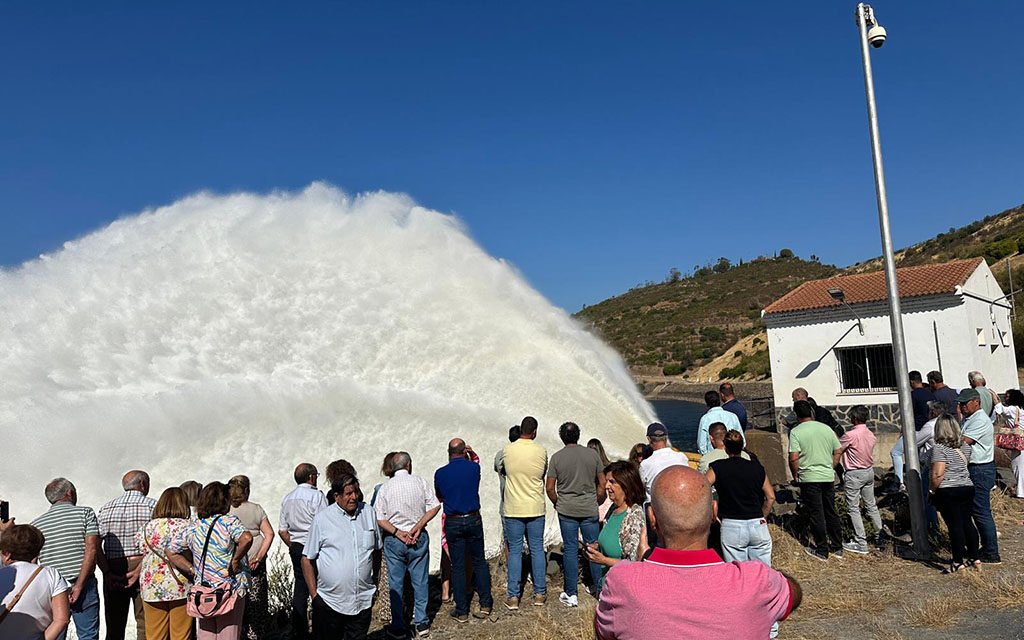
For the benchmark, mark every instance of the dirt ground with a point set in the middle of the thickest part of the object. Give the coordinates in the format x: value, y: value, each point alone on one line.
x: 880, y: 596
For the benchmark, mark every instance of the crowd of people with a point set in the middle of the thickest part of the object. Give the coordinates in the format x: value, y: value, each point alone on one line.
x: 192, y: 563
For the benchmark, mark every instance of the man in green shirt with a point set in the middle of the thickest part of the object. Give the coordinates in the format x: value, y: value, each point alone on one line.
x: 814, y: 451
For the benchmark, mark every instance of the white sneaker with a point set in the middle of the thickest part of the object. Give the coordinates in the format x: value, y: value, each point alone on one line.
x: 567, y: 600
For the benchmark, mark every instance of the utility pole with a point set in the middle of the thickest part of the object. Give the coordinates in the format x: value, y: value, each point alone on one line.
x: 873, y: 33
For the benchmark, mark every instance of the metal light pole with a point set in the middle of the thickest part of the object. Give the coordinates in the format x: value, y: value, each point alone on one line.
x: 912, y: 468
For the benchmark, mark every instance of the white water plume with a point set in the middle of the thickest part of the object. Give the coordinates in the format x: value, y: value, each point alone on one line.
x: 247, y: 333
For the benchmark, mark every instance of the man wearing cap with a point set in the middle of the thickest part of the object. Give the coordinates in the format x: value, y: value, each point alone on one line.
x: 978, y: 432
x: 664, y: 456
x: 715, y: 414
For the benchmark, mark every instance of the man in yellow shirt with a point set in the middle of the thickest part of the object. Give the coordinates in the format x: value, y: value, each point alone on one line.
x: 524, y: 464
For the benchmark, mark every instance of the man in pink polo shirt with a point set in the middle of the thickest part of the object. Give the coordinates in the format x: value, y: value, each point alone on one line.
x: 858, y: 458
x: 754, y: 595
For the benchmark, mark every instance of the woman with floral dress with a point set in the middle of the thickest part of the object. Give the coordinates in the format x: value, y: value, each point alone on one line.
x: 161, y: 585
x: 624, y: 535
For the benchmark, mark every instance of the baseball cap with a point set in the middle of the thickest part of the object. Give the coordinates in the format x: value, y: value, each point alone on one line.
x: 656, y: 430
x: 967, y: 395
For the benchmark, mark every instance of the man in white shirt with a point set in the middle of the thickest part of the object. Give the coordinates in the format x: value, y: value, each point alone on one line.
x: 664, y: 456
x: 297, y: 512
x: 343, y: 541
x: 405, y: 504
x: 715, y: 414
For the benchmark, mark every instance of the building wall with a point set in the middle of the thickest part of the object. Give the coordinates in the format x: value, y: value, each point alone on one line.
x: 940, y: 332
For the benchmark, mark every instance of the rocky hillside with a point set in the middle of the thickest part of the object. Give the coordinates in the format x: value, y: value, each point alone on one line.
x: 995, y: 237
x: 686, y: 322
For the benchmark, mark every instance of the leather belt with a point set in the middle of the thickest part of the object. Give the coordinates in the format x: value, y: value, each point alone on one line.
x: 462, y: 515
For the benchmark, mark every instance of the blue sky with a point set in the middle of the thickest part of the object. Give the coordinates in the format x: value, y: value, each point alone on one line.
x: 593, y: 144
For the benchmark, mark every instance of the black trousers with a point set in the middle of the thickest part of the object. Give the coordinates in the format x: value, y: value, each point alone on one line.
x: 819, y: 498
x: 300, y: 596
x: 328, y: 624
x: 956, y: 505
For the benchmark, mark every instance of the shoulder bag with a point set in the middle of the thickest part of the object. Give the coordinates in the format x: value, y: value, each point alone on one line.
x: 205, y: 601
x: 17, y: 596
x: 162, y: 557
x: 1010, y: 437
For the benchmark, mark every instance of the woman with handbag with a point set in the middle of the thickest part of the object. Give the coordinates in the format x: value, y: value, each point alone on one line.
x: 218, y: 543
x: 1011, y: 436
x: 162, y: 586
x: 36, y: 605
x: 952, y: 492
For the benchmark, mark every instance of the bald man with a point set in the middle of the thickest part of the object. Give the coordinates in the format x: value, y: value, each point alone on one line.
x: 119, y: 520
x: 457, y: 485
x: 749, y: 597
x: 298, y: 509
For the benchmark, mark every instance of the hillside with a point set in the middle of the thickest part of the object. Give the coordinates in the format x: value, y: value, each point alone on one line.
x: 707, y: 325
x: 994, y: 237
x: 686, y: 322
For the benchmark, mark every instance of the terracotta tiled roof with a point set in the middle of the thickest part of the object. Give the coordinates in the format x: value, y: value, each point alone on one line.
x: 925, y: 280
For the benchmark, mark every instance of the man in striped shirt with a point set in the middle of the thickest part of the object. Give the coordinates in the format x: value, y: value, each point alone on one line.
x: 72, y: 544
x: 119, y: 520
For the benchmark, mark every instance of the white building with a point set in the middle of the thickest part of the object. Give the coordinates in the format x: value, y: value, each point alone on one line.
x: 955, y: 319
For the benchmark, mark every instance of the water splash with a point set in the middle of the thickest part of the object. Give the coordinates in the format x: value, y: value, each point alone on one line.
x: 246, y: 333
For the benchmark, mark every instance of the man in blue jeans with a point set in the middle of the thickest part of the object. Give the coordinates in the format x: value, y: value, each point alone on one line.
x: 405, y: 504
x: 458, y: 487
x: 524, y: 463
x: 575, y: 486
x: 72, y: 546
x: 978, y: 431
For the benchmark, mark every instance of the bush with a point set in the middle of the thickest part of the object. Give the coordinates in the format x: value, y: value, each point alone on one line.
x: 786, y: 253
x: 673, y: 369
x: 1001, y: 249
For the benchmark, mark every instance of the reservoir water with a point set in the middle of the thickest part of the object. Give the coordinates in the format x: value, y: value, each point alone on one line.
x: 681, y: 419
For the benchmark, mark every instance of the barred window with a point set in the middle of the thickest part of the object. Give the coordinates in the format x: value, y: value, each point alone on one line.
x: 866, y: 369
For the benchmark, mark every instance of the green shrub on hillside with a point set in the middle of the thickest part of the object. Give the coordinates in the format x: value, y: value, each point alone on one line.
x: 673, y: 369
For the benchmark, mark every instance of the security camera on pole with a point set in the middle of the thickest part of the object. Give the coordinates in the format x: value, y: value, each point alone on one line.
x: 874, y: 34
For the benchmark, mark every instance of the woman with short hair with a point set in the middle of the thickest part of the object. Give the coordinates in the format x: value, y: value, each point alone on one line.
x: 255, y: 521
x: 952, y: 492
x: 191, y: 489
x: 639, y: 453
x: 36, y: 605
x: 224, y: 564
x: 163, y: 587
x: 624, y: 536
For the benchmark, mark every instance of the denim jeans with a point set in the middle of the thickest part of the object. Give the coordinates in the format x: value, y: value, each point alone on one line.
x: 300, y: 594
x: 744, y: 540
x: 984, y: 478
x: 86, y: 612
x: 571, y: 528
x: 897, y: 460
x: 465, y: 537
x: 415, y: 561
x: 748, y: 540
x: 533, y: 529
x: 859, y: 484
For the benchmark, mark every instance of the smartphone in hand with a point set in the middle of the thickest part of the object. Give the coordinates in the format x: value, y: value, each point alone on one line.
x: 5, y: 511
